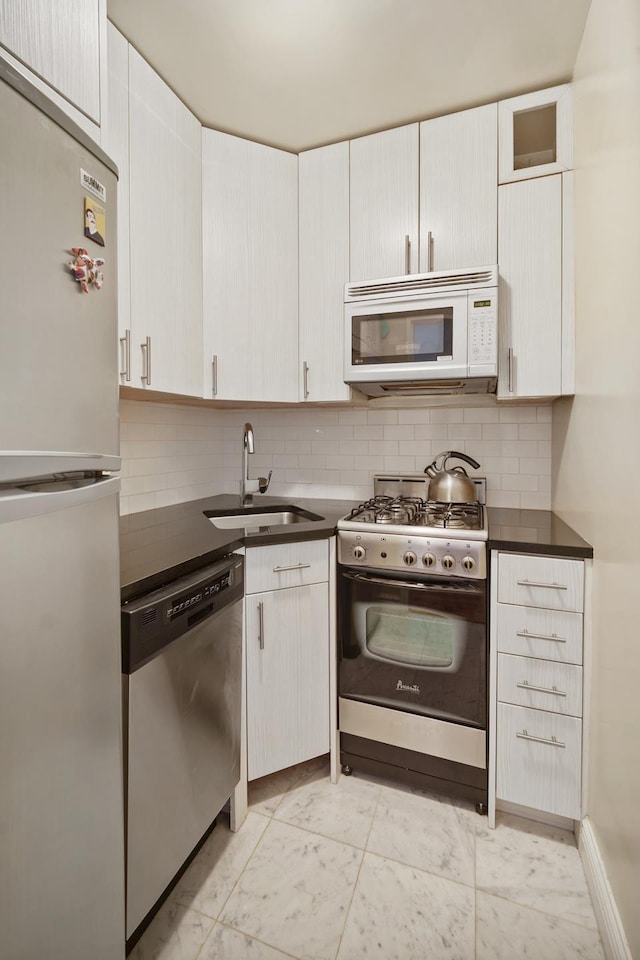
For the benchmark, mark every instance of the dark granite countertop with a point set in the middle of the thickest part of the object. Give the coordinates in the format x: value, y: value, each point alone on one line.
x: 534, y: 531
x: 160, y: 545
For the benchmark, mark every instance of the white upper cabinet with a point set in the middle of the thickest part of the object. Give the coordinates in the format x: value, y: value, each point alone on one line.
x: 530, y: 294
x: 384, y: 204
x: 165, y: 236
x: 323, y: 270
x: 250, y: 255
x: 115, y: 140
x: 458, y: 190
x: 63, y: 43
x: 536, y: 134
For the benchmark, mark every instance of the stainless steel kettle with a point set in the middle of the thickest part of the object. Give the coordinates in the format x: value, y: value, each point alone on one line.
x: 451, y: 486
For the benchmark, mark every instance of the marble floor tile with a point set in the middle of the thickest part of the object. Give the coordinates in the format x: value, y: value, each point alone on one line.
x: 295, y: 892
x: 224, y: 943
x: 266, y: 793
x: 535, y: 865
x: 505, y: 931
x: 175, y: 933
x: 210, y: 878
x: 343, y: 811
x: 400, y: 913
x: 425, y: 831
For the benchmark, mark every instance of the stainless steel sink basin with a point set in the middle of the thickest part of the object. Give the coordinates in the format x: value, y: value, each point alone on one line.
x: 254, y: 518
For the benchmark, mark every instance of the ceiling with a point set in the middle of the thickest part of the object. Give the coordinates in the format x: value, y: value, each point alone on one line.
x: 300, y: 73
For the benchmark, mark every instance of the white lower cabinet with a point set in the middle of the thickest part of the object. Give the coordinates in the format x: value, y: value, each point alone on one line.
x: 287, y: 643
x: 537, y: 704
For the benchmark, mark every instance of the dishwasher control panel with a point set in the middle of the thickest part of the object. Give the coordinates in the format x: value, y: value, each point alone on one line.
x: 183, y: 605
x: 153, y: 621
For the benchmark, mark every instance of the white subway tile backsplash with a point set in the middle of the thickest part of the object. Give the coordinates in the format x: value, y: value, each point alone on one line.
x: 177, y: 453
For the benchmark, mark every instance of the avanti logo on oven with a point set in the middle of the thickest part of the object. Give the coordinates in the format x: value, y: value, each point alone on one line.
x: 408, y: 688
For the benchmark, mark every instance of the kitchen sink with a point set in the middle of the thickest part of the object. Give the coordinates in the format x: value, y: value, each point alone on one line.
x: 255, y: 518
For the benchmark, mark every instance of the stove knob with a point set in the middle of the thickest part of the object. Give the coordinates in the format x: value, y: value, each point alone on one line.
x: 448, y: 562
x: 410, y: 558
x: 468, y: 563
x: 359, y: 553
x: 429, y: 560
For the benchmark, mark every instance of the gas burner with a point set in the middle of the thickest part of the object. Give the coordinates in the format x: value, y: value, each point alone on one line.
x: 454, y: 516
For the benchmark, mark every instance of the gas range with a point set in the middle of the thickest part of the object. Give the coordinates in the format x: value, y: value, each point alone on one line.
x: 400, y: 529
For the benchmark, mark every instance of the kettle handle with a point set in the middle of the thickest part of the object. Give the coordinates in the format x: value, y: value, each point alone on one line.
x: 461, y: 456
x: 433, y: 469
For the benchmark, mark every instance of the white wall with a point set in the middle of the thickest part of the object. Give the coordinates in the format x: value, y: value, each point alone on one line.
x: 597, y: 435
x: 176, y: 453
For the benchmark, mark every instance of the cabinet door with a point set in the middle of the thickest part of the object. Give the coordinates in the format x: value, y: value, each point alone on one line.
x: 459, y: 190
x: 287, y: 635
x: 530, y: 292
x: 115, y: 141
x: 250, y: 249
x: 324, y: 270
x: 61, y: 43
x: 165, y: 237
x: 384, y: 204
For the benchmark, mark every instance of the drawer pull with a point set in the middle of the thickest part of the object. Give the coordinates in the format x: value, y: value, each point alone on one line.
x: 525, y: 685
x: 553, y: 742
x: 540, y: 636
x: 294, y: 566
x: 548, y: 586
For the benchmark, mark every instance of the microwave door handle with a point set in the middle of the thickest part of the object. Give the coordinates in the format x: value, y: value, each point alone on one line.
x: 410, y: 584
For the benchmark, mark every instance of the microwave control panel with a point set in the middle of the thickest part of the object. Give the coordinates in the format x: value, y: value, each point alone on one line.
x: 483, y: 317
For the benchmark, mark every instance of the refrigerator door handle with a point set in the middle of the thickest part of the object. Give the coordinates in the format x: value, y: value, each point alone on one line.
x: 47, y: 496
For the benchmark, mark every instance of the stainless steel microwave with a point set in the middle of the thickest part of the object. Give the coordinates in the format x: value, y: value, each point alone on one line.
x: 423, y: 333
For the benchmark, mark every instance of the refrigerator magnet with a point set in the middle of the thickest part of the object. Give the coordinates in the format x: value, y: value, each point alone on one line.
x: 94, y: 221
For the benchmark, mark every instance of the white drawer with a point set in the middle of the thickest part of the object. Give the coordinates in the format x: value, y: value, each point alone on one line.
x: 541, y: 582
x: 541, y: 684
x: 286, y: 565
x: 532, y: 632
x: 534, y: 769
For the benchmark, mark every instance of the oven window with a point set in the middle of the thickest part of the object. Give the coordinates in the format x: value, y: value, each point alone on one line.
x: 411, y: 636
x: 411, y: 335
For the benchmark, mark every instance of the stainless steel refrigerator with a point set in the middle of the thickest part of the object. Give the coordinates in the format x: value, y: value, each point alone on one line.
x: 61, y: 794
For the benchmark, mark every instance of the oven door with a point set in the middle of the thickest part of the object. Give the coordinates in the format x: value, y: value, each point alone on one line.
x: 406, y: 339
x: 416, y: 646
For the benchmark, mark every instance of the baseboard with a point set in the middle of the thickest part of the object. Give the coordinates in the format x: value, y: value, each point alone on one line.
x: 614, y: 941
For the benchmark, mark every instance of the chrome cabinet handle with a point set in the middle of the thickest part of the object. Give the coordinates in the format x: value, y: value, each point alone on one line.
x: 146, y: 375
x: 407, y: 254
x: 553, y: 742
x: 214, y: 374
x: 125, y: 343
x: 539, y: 583
x: 261, y: 624
x: 510, y: 360
x: 305, y: 379
x: 294, y: 566
x: 525, y: 685
x: 429, y: 252
x: 540, y: 636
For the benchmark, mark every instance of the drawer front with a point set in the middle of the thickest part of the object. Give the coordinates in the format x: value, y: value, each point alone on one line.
x: 533, y: 771
x: 541, y: 582
x: 286, y: 565
x: 541, y: 684
x: 547, y: 634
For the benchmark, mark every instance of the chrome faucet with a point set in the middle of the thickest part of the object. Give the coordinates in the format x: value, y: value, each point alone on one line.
x: 248, y: 486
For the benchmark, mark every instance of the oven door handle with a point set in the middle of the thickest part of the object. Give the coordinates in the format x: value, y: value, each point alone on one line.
x: 410, y: 584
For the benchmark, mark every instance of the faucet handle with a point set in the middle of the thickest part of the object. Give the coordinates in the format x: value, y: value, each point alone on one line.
x: 263, y: 482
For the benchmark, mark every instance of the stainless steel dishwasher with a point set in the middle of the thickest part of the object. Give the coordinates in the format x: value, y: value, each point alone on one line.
x: 182, y: 674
